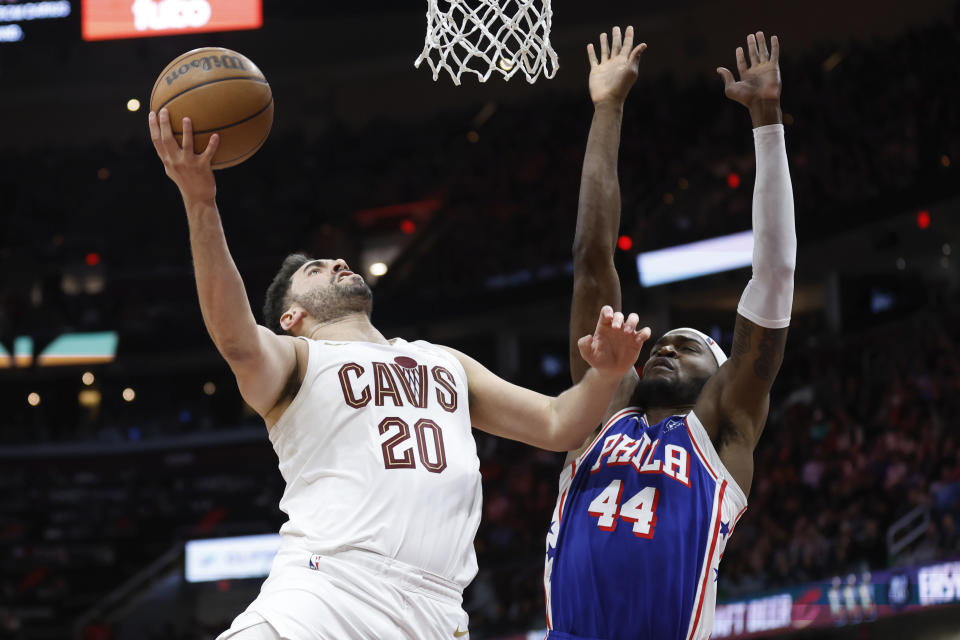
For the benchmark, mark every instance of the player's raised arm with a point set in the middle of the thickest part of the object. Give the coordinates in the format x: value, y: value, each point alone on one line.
x: 595, y: 281
x: 738, y: 395
x: 262, y: 361
x: 563, y: 422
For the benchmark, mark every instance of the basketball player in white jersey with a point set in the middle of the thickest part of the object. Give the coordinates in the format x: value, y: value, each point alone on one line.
x: 373, y: 435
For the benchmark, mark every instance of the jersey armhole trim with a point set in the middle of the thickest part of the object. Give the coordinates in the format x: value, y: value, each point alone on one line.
x: 278, y: 426
x: 710, y: 458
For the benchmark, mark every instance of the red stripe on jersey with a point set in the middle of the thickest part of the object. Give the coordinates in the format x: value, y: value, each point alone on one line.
x: 706, y: 572
x: 620, y: 414
x: 696, y: 447
x: 739, y: 515
x: 546, y: 598
x: 613, y: 419
x: 736, y: 520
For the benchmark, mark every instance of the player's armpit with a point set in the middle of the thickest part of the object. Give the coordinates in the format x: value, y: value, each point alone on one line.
x: 735, y: 402
x: 268, y: 373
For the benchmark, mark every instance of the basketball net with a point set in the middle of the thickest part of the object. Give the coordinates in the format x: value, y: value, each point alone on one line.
x: 482, y: 36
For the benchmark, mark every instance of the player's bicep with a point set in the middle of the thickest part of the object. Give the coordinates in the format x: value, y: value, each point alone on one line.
x: 504, y: 409
x: 595, y: 284
x: 265, y: 373
x: 740, y: 392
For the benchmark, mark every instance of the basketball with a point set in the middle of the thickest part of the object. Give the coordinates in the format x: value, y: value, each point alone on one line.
x: 221, y: 91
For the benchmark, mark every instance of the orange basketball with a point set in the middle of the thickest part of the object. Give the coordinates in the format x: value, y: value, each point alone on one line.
x: 221, y: 91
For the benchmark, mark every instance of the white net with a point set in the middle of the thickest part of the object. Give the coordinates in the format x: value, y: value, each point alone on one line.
x: 483, y: 36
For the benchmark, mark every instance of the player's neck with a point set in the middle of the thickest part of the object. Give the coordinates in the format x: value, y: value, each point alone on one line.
x: 657, y: 414
x: 353, y: 327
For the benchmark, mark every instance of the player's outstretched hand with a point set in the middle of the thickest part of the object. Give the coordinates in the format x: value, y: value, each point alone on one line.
x: 191, y: 171
x: 615, y: 344
x: 615, y: 71
x: 760, y: 80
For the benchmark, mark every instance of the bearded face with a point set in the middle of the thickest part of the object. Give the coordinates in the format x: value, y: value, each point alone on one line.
x: 679, y: 365
x: 664, y: 392
x: 327, y: 303
x: 328, y: 290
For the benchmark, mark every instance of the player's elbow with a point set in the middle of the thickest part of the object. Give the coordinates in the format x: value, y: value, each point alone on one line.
x: 779, y: 271
x: 559, y: 444
x: 563, y: 438
x: 237, y: 350
x: 591, y: 257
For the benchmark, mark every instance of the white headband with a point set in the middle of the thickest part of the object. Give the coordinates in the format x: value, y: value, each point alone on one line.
x: 714, y: 347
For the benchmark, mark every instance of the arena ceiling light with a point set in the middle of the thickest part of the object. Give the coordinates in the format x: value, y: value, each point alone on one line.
x: 696, y: 259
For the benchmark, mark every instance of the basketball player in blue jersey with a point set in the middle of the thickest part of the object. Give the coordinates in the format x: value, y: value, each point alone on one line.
x: 373, y: 436
x: 647, y: 505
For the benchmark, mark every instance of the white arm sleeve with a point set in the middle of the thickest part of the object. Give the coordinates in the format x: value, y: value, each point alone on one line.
x: 768, y: 298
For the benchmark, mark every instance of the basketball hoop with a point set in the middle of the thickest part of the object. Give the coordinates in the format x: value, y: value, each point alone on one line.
x: 483, y: 36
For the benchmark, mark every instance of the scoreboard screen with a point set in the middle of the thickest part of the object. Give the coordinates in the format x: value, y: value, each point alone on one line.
x: 114, y: 19
x: 17, y: 17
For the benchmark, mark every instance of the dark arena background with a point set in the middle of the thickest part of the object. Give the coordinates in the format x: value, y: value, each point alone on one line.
x: 123, y: 437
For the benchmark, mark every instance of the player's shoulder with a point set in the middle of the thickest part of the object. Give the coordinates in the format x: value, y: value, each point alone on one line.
x: 461, y: 359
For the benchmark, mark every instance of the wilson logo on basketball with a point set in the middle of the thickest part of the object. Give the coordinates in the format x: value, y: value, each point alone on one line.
x: 206, y: 63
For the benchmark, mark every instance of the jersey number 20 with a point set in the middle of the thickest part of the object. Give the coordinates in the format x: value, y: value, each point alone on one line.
x: 433, y: 457
x: 641, y: 509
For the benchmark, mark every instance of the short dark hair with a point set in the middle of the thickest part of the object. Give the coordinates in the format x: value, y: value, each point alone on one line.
x: 278, y: 293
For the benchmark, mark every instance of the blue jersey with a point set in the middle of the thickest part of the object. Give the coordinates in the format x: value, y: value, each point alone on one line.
x: 641, y: 522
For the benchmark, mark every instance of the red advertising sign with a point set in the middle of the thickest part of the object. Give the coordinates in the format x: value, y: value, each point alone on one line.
x: 112, y: 19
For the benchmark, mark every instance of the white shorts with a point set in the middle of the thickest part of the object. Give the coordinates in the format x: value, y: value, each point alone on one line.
x: 353, y: 595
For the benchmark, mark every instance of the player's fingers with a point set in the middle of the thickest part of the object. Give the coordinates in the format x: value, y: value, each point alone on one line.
x: 592, y: 55
x: 584, y: 344
x: 752, y: 49
x: 606, y: 315
x: 617, y: 320
x: 166, y: 133
x: 188, y: 136
x: 154, y: 132
x: 637, y: 51
x: 604, y: 48
x: 628, y: 39
x: 617, y: 42
x: 762, y: 47
x: 726, y: 75
x: 642, y: 336
x: 207, y: 156
x: 741, y: 62
x: 630, y: 325
x: 775, y: 49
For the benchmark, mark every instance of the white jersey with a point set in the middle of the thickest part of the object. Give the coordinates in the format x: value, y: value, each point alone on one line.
x: 377, y: 453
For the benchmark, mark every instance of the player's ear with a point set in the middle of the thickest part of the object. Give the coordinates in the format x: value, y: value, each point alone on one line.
x: 292, y: 317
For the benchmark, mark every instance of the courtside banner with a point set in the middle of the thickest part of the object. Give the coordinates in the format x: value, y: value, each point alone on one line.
x: 230, y: 558
x: 843, y: 600
x: 114, y: 19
